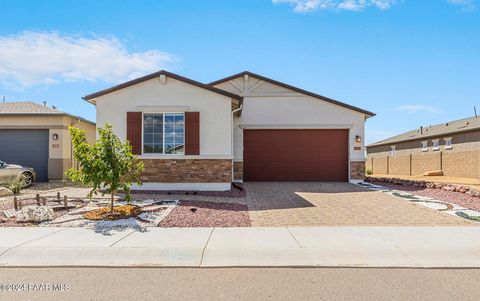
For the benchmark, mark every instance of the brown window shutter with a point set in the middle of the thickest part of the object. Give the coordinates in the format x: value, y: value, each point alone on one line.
x: 192, y: 133
x: 134, y: 131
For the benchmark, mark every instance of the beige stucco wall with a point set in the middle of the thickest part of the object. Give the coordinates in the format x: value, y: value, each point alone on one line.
x: 269, y: 106
x: 173, y: 96
x: 60, y: 150
x: 460, y: 142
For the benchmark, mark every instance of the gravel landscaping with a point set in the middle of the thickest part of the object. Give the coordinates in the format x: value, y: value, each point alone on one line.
x: 458, y: 198
x: 207, y: 214
x: 154, y: 213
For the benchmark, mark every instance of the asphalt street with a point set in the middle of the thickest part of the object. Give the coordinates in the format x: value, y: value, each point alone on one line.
x: 238, y: 284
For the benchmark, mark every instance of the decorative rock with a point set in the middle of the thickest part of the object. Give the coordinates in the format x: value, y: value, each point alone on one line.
x: 425, y: 184
x: 433, y: 173
x: 34, y: 214
x: 4, y: 191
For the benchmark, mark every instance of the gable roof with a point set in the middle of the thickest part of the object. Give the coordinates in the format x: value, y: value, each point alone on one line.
x: 30, y: 108
x: 157, y: 74
x: 428, y: 132
x: 287, y: 86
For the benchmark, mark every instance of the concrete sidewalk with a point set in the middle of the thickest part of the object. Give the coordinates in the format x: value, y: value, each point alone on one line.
x: 217, y: 247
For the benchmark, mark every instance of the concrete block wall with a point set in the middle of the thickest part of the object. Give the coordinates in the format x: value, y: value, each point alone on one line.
x: 380, y: 165
x: 422, y: 163
x: 399, y: 165
x: 465, y: 164
x: 462, y: 164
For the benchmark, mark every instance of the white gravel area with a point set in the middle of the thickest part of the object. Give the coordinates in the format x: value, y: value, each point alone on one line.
x: 154, y: 212
x: 447, y: 207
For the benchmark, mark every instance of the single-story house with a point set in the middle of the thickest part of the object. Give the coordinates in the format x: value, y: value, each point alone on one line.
x: 37, y: 136
x: 453, y: 147
x: 246, y: 127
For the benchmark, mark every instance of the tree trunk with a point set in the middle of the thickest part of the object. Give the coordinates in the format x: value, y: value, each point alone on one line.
x: 112, y: 198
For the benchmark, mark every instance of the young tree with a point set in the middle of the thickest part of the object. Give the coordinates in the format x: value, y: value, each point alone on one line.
x: 108, y: 164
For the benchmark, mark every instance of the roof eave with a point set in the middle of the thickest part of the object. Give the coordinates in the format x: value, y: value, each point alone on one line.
x: 425, y: 137
x: 59, y: 114
x: 299, y: 90
x: 92, y: 96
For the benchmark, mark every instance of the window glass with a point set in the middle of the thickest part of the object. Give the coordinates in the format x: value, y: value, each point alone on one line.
x: 174, y: 138
x: 163, y: 133
x: 448, y: 143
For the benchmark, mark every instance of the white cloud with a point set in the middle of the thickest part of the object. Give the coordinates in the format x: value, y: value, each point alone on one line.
x: 418, y: 108
x: 43, y: 58
x: 304, y: 6
x: 466, y: 5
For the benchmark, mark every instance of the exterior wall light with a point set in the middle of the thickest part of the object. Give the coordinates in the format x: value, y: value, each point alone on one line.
x: 358, y: 139
x: 55, y: 136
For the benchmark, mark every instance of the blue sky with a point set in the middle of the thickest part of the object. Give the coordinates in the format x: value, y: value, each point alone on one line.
x: 413, y: 62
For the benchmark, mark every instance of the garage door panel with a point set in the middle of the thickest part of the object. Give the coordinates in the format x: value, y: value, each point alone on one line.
x: 27, y: 148
x: 296, y: 155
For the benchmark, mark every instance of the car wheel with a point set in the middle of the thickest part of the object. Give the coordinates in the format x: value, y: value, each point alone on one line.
x: 27, y: 179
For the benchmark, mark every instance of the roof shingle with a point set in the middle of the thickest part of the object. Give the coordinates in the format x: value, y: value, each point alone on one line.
x: 444, y: 129
x: 27, y: 107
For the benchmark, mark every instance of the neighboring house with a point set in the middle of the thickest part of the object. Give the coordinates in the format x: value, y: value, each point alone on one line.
x: 453, y: 147
x: 35, y: 135
x: 245, y: 127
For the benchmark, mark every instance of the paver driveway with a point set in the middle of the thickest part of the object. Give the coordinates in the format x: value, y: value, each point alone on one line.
x: 328, y: 204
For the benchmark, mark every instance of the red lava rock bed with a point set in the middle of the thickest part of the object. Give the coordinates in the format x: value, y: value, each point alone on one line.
x: 454, y: 197
x: 207, y: 214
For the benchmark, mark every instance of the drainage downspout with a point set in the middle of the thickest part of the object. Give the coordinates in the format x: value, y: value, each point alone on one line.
x: 233, y: 112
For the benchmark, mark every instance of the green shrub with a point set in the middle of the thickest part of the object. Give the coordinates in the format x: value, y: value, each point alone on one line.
x: 368, y: 172
x: 15, y: 185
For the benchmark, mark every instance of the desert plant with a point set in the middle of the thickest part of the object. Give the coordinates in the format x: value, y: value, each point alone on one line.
x: 15, y: 185
x: 108, y: 164
x: 368, y: 172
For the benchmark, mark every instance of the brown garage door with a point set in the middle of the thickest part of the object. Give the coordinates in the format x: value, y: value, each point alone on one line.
x: 295, y: 155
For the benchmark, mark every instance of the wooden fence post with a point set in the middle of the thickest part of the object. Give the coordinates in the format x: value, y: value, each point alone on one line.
x: 15, y: 203
x: 38, y: 199
x: 65, y: 201
x: 58, y: 196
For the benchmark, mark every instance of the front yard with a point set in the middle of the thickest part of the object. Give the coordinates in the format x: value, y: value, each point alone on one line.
x: 262, y: 204
x: 173, y: 210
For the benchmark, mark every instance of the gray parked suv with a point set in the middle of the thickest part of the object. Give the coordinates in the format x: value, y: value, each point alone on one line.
x: 10, y: 172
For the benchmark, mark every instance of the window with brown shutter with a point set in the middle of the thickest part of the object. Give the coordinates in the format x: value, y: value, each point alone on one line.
x: 192, y: 133
x: 134, y: 131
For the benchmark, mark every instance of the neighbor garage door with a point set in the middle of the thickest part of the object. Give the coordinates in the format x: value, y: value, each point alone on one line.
x: 295, y: 155
x: 26, y: 147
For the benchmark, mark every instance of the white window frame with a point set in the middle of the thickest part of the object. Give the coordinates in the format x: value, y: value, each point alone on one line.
x: 448, y: 143
x: 393, y: 150
x: 436, y: 144
x: 163, y: 133
x: 425, y: 146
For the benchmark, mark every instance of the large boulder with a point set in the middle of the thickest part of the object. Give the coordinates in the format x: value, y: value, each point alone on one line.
x: 34, y: 214
x: 4, y: 191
